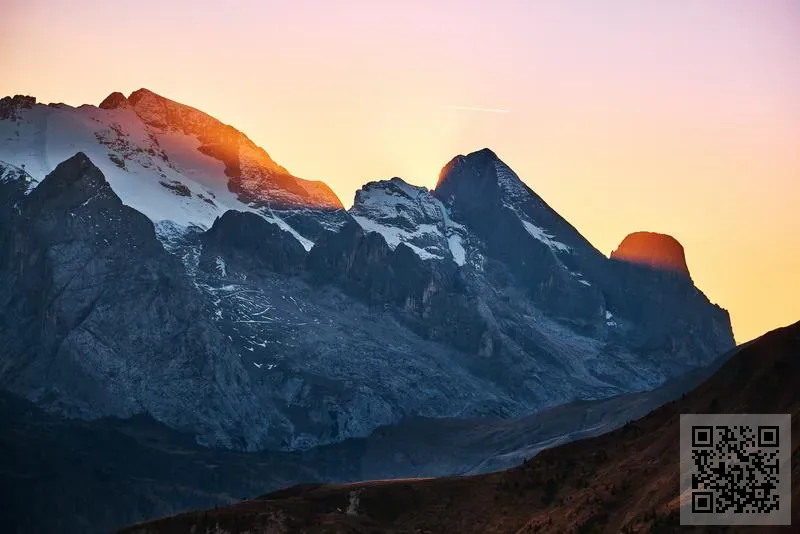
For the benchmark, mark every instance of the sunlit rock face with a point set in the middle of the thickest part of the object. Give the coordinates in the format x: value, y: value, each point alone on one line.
x: 255, y: 177
x: 659, y: 251
x: 115, y: 100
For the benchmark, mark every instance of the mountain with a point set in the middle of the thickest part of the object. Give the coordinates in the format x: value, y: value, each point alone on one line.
x: 155, y: 261
x: 623, y: 481
x: 656, y: 250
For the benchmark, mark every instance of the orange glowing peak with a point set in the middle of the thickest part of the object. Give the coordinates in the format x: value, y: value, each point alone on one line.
x: 252, y: 174
x: 659, y: 251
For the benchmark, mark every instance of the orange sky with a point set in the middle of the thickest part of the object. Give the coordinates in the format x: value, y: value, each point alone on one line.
x: 680, y: 117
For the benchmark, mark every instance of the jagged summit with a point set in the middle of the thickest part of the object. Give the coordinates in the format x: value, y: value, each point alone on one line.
x: 113, y: 101
x: 143, y: 92
x: 481, y: 180
x: 404, y: 213
x: 11, y: 105
x: 117, y: 99
x: 660, y: 251
x: 75, y: 184
x: 395, y: 185
x: 479, y: 158
x: 78, y: 169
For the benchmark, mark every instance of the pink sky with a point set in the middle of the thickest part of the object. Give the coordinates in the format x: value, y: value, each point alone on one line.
x: 680, y: 117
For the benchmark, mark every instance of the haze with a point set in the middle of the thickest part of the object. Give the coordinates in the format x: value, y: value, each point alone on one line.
x: 679, y: 117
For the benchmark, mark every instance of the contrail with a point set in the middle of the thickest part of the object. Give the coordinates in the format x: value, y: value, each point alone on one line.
x: 468, y: 108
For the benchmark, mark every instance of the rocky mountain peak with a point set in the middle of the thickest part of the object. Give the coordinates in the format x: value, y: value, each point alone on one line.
x: 139, y: 94
x: 656, y: 250
x: 389, y: 191
x: 10, y: 105
x: 463, y: 166
x: 74, y: 182
x: 403, y: 213
x: 471, y: 182
x: 254, y: 176
x: 161, y: 112
x: 113, y: 101
x: 481, y: 180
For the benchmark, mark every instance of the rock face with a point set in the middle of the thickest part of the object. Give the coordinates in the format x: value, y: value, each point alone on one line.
x: 10, y: 107
x: 189, y: 277
x: 249, y: 244
x: 659, y: 251
x: 98, y: 319
x: 623, y: 481
x: 114, y: 101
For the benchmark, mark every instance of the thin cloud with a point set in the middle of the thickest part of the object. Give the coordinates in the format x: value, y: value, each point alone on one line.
x: 471, y: 108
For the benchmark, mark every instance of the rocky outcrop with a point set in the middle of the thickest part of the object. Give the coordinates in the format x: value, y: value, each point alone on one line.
x: 11, y: 105
x: 659, y: 251
x: 114, y: 101
x: 429, y: 297
x: 247, y: 243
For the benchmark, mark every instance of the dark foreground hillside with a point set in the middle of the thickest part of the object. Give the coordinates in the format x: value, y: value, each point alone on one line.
x: 623, y: 481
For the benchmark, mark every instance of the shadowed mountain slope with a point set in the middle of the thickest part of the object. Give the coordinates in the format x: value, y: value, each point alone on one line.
x: 623, y: 481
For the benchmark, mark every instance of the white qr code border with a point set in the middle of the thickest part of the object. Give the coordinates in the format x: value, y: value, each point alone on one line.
x: 767, y: 438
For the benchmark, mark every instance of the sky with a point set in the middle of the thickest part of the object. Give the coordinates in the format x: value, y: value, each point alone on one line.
x: 681, y: 117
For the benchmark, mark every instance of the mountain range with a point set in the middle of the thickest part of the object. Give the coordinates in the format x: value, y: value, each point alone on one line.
x: 155, y: 263
x: 624, y: 481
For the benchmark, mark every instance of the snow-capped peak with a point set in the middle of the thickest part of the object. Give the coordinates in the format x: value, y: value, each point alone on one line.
x: 167, y: 160
x: 395, y: 200
x: 404, y: 213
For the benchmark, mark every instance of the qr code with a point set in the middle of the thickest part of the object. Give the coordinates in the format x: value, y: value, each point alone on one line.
x: 735, y: 469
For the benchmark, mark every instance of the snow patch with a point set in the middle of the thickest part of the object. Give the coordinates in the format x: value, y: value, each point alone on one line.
x: 510, y: 184
x: 307, y: 243
x: 453, y: 232
x: 543, y: 236
x: 135, y: 160
x: 394, y: 235
x: 515, y: 195
x: 457, y: 249
x: 221, y: 267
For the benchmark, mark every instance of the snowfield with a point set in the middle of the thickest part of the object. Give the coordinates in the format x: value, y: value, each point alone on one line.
x: 160, y: 173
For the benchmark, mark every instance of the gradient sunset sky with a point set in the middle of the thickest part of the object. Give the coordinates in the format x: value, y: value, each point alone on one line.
x: 675, y: 116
